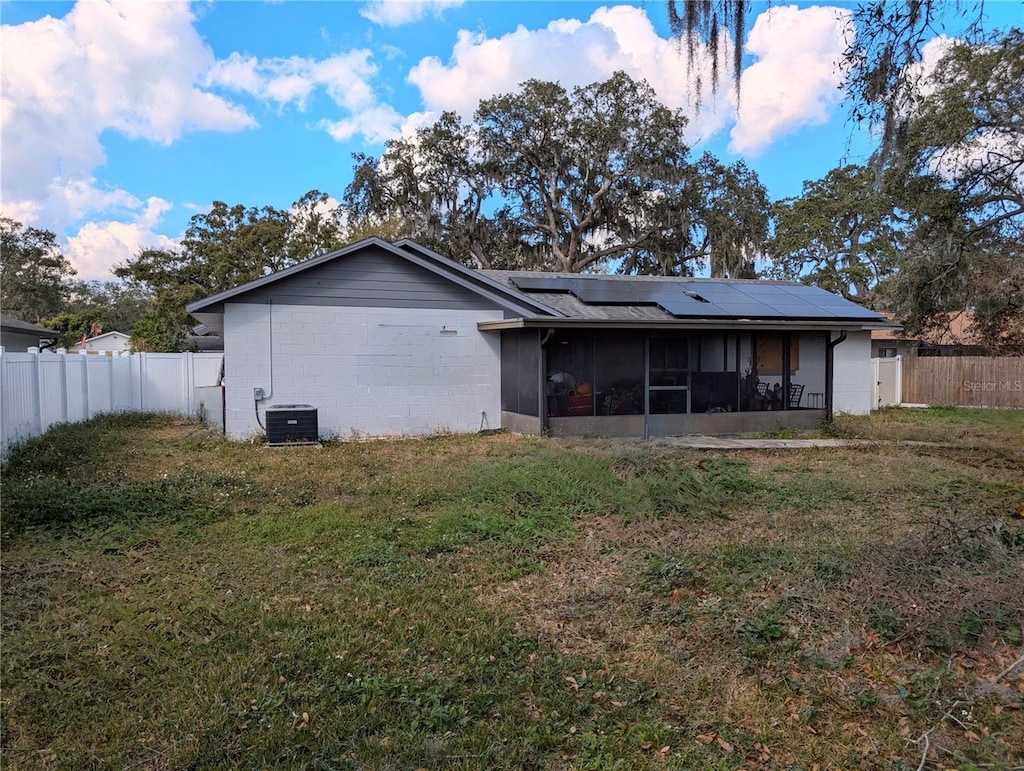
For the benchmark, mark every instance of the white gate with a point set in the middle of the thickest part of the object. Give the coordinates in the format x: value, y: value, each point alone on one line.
x: 886, y: 382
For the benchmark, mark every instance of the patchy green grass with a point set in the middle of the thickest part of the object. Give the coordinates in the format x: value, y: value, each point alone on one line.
x: 172, y: 600
x: 964, y: 425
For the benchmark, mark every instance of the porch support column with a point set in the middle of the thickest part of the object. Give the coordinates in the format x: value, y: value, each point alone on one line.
x: 787, y: 341
x: 542, y: 378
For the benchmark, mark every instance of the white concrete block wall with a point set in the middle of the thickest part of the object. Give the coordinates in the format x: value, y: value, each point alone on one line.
x: 368, y: 371
x: 851, y: 383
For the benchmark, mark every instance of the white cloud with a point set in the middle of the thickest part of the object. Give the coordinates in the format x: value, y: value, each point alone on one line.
x: 797, y: 76
x: 100, y: 245
x: 126, y: 66
x: 575, y: 53
x: 920, y: 74
x: 993, y: 148
x: 376, y: 125
x: 394, y: 13
x: 345, y: 78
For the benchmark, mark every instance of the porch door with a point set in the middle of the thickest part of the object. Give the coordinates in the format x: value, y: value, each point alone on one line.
x: 667, y: 392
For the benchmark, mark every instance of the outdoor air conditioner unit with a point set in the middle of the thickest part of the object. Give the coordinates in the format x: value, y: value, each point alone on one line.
x: 292, y: 424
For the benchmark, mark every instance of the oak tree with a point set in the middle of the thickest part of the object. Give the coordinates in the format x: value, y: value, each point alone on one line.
x: 960, y: 178
x: 841, y: 234
x: 35, y: 276
x: 222, y: 248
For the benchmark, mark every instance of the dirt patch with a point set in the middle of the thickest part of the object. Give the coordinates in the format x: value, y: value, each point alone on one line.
x: 576, y: 602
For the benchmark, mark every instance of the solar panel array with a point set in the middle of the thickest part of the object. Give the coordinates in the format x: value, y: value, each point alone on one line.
x: 705, y: 298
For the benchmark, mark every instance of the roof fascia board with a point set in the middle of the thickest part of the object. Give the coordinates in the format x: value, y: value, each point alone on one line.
x: 685, y: 324
x: 476, y: 277
x: 26, y: 328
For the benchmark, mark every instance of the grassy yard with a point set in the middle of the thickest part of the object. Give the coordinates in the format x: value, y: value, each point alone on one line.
x: 172, y: 600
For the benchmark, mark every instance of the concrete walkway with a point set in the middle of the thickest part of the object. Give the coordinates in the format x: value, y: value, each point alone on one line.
x: 699, y: 442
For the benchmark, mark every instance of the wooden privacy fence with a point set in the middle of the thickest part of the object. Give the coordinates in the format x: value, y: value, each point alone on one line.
x: 964, y: 381
x: 38, y: 390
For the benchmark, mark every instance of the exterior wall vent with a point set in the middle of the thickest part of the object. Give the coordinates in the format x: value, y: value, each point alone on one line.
x: 292, y: 424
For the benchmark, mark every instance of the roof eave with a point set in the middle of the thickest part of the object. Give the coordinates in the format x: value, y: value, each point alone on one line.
x: 476, y: 277
x: 716, y: 323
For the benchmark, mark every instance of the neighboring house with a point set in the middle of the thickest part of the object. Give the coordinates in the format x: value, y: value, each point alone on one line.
x: 115, y: 342
x: 956, y: 337
x: 394, y: 339
x: 17, y: 335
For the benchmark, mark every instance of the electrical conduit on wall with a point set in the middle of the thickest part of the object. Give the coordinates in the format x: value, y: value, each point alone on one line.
x: 270, y: 360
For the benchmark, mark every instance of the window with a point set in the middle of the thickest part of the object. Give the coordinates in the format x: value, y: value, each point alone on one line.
x: 886, y: 353
x: 770, y: 347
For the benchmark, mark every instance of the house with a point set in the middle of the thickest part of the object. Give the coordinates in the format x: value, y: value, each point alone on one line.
x: 17, y: 335
x: 115, y: 342
x: 394, y: 339
x: 955, y: 337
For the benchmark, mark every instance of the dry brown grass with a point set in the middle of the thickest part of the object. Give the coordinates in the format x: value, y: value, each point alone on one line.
x: 512, y: 602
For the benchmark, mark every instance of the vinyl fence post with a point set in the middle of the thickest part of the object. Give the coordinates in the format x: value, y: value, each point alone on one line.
x: 142, y: 382
x: 134, y: 389
x: 899, y: 380
x: 110, y: 383
x: 37, y: 396
x: 63, y: 386
x: 86, y: 407
x: 187, y: 378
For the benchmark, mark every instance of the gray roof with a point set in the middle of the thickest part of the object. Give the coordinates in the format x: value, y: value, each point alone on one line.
x: 568, y: 298
x: 663, y: 299
x: 17, y: 326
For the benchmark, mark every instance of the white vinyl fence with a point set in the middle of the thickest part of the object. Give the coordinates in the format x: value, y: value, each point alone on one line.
x: 39, y: 390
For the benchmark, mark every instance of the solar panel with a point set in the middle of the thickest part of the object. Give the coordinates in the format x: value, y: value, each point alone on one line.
x: 679, y: 304
x: 709, y: 285
x: 543, y: 283
x: 714, y: 292
x: 831, y: 304
x: 596, y: 292
x: 797, y: 309
x: 770, y: 301
x: 760, y: 291
x: 746, y: 309
x: 703, y: 298
x: 852, y: 311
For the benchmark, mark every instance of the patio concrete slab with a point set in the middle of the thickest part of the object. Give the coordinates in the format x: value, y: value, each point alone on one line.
x: 700, y: 442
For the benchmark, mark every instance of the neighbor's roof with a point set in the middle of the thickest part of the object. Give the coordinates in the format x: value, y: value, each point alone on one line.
x: 17, y: 326
x: 109, y: 334
x: 956, y: 329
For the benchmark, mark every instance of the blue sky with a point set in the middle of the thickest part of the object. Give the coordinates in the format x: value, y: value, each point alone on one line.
x: 121, y: 120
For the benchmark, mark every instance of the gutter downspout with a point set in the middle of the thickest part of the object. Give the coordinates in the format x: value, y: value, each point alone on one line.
x: 542, y: 391
x: 829, y: 372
